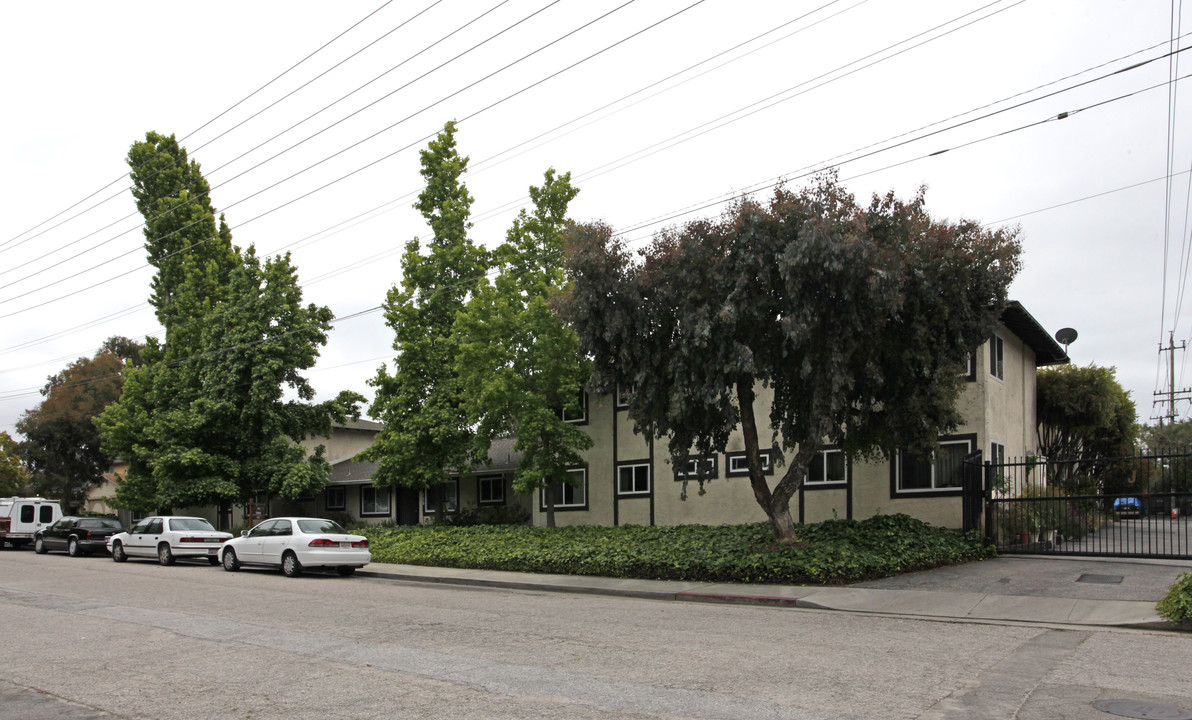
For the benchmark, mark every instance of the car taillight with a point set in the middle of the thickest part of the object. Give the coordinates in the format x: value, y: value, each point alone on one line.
x: 361, y: 543
x: 85, y: 534
x: 323, y: 542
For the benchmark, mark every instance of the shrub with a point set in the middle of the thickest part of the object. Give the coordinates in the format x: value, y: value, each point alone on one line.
x: 1176, y: 605
x: 836, y: 551
x: 502, y: 515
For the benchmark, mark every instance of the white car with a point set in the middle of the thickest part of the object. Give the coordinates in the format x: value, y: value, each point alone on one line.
x: 169, y: 538
x: 294, y: 543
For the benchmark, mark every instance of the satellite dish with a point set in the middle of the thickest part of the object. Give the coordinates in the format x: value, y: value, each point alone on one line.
x: 1065, y: 337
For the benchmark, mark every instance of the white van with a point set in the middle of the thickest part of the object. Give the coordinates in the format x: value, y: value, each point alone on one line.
x: 21, y: 517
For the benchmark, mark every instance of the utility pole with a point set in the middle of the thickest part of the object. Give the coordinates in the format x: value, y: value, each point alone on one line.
x: 1172, y: 395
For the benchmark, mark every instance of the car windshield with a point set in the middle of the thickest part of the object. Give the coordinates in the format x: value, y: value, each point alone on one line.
x: 320, y: 526
x: 190, y: 524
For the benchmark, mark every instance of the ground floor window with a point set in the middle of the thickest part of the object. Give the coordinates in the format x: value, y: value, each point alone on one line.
x: 942, y: 471
x: 374, y: 501
x: 572, y: 495
x: 737, y: 464
x: 337, y: 497
x: 449, y: 491
x: 633, y: 479
x: 490, y: 489
x: 828, y: 467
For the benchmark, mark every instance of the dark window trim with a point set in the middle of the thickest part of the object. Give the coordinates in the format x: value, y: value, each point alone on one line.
x: 649, y: 478
x: 835, y: 484
x: 343, y: 505
x: 490, y: 503
x: 712, y: 474
x: 768, y: 459
x: 567, y: 508
x: 895, y: 493
x: 388, y: 497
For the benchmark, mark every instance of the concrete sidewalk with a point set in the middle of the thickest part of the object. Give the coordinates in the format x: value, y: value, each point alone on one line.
x: 1052, y: 595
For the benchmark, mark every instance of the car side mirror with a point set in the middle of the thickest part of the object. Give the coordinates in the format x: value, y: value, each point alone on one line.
x: 243, y: 533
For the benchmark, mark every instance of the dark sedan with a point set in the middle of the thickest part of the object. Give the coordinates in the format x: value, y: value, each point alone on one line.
x: 77, y: 535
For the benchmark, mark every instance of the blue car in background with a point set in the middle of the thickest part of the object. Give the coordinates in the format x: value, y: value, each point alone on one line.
x: 1128, y: 507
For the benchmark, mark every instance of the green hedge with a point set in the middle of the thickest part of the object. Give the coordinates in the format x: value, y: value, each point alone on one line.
x: 1176, y: 605
x: 836, y: 551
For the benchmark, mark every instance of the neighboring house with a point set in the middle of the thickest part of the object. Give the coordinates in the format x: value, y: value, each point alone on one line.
x: 628, y: 479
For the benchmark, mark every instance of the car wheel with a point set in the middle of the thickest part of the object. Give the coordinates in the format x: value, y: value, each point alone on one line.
x: 164, y: 556
x: 118, y: 552
x: 39, y: 546
x: 72, y: 548
x: 345, y: 571
x: 290, y: 567
x: 231, y: 563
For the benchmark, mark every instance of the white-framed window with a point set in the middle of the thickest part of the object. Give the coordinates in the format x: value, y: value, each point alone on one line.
x: 695, y: 463
x: 737, y: 464
x: 622, y: 397
x: 633, y: 479
x: 337, y: 497
x: 997, y: 453
x: 943, y: 471
x: 490, y: 490
x: 571, y: 495
x: 970, y: 367
x: 450, y: 492
x: 828, y: 467
x: 577, y: 415
x: 374, y: 501
x: 997, y: 357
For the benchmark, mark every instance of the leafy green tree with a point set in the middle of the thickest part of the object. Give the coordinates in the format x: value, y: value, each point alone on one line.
x: 426, y: 433
x: 203, y: 420
x: 12, y: 472
x: 62, y: 445
x: 1085, y: 416
x: 519, y: 362
x: 856, y: 319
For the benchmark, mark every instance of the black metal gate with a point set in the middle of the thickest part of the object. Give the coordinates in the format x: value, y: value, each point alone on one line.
x: 1138, y: 506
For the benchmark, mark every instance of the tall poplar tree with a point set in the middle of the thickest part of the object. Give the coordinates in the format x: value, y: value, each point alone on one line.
x: 203, y: 420
x: 519, y: 360
x: 426, y: 434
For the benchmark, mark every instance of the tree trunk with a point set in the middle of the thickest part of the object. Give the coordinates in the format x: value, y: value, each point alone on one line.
x: 778, y: 511
x: 548, y: 494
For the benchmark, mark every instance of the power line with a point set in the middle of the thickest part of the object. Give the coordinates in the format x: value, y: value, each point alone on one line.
x: 242, y: 100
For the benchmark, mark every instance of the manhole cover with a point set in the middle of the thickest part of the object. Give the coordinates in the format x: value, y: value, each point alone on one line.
x: 1145, y: 710
x: 1102, y: 579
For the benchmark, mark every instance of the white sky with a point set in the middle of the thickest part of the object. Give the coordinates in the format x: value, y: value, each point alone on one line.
x: 82, y: 81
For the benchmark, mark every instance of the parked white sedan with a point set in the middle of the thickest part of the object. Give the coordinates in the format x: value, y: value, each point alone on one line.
x: 294, y: 543
x: 169, y: 537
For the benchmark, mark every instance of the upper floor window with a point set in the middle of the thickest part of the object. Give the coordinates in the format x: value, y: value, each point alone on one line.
x: 997, y: 359
x: 577, y: 414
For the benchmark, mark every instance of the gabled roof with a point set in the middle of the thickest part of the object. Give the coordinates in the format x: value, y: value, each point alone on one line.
x: 1025, y: 326
x: 502, y: 456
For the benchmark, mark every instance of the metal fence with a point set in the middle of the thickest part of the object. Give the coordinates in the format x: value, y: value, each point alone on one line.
x: 1135, y: 506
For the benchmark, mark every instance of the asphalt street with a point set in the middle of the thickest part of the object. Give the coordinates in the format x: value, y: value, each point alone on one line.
x: 139, y: 640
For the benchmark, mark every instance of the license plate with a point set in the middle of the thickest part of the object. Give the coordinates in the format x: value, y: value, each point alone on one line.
x: 211, y: 551
x: 345, y: 545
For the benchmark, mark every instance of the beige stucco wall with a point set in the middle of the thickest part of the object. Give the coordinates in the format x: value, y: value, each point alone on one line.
x: 993, y: 410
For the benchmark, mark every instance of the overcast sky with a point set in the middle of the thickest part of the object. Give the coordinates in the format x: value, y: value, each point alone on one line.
x: 660, y: 109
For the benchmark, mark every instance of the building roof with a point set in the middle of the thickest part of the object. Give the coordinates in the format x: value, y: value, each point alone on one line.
x: 1025, y: 326
x: 501, y: 455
